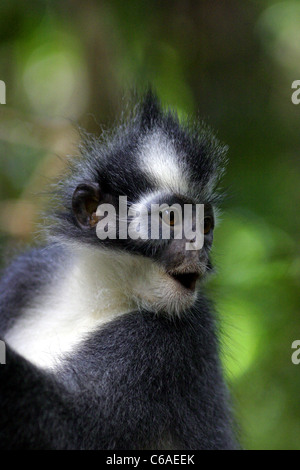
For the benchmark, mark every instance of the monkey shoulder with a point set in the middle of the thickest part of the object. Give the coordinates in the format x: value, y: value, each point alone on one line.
x: 23, y: 279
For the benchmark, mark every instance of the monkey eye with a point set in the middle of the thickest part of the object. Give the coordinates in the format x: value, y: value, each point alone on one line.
x: 208, y: 224
x: 170, y: 216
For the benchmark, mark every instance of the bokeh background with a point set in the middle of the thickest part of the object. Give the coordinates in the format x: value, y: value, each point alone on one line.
x: 231, y: 63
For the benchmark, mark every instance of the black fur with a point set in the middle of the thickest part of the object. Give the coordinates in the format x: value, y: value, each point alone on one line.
x: 143, y: 382
x: 146, y: 380
x: 25, y: 278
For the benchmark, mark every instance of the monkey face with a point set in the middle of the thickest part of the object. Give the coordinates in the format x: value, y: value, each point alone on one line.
x: 151, y: 159
x: 159, y: 272
x: 176, y: 272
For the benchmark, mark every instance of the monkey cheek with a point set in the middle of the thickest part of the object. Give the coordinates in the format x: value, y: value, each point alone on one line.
x: 166, y: 296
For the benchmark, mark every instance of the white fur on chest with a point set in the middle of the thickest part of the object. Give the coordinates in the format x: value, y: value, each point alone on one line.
x: 95, y: 288
x: 77, y: 303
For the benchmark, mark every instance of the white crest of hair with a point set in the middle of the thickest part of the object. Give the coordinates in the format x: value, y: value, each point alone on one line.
x: 98, y: 286
x: 159, y: 160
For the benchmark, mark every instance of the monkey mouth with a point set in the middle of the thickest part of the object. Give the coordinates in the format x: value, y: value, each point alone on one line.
x: 186, y: 280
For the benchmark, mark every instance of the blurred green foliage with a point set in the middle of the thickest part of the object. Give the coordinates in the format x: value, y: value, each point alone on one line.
x: 231, y: 63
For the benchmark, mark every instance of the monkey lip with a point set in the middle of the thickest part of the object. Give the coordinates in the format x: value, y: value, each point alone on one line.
x: 186, y: 280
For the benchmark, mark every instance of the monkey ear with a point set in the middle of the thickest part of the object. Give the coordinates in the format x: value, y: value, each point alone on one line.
x: 85, y: 201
